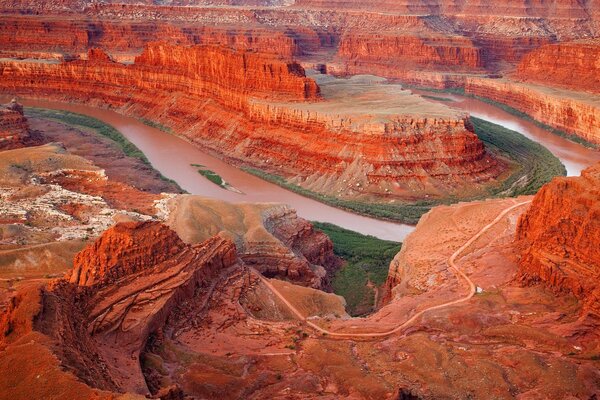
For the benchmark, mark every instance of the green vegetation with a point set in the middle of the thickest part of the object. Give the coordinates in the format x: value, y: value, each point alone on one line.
x: 210, y: 175
x: 533, y: 166
x: 402, y: 212
x: 98, y: 126
x: 459, y: 90
x: 101, y: 128
x: 527, y: 117
x: 367, y: 262
x: 437, y: 98
x: 512, y: 111
x: 156, y: 125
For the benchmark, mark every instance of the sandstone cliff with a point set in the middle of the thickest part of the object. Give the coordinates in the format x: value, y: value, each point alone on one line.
x: 560, y: 236
x: 101, y: 329
x: 521, y: 8
x: 572, y: 112
x: 14, y: 129
x: 74, y: 36
x: 270, y: 238
x: 123, y: 250
x: 409, y: 52
x: 571, y: 65
x: 264, y: 112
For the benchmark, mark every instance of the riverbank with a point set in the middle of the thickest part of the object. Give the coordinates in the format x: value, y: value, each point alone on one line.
x: 173, y: 157
x: 97, y: 126
x: 532, y: 166
x: 505, y: 107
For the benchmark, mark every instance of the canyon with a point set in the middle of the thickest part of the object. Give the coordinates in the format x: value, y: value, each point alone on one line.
x: 362, y: 152
x: 425, y: 43
x: 148, y: 311
x: 560, y: 237
x: 142, y: 254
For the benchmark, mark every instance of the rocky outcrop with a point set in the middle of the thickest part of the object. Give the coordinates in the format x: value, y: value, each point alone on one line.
x: 14, y: 129
x: 409, y: 52
x: 263, y: 111
x: 571, y: 65
x: 191, y: 70
x: 101, y: 329
x: 123, y: 250
x: 269, y: 237
x: 560, y: 236
x: 20, y: 35
x: 209, y: 67
x: 520, y: 8
x: 572, y: 112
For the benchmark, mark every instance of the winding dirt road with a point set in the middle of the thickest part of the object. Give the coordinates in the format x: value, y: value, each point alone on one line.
x: 451, y: 263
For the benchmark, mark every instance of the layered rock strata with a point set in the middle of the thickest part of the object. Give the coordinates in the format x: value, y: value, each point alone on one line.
x: 75, y: 36
x: 571, y: 65
x: 410, y: 52
x: 101, y: 328
x: 224, y: 100
x: 271, y: 238
x: 566, y: 110
x: 560, y: 236
x: 14, y: 129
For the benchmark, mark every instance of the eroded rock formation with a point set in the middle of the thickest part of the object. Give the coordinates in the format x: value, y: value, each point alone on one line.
x: 410, y: 52
x: 569, y: 111
x: 253, y: 108
x: 560, y: 235
x: 571, y: 65
x: 72, y: 38
x: 14, y: 129
x: 124, y: 250
x: 270, y: 238
x: 102, y: 328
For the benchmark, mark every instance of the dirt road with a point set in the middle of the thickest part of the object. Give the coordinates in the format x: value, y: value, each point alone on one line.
x: 451, y: 264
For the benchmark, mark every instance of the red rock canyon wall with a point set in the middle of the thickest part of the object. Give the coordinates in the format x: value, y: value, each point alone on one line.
x: 560, y: 234
x: 210, y: 94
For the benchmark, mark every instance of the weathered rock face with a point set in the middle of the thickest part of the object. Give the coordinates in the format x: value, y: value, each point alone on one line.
x: 521, y: 8
x: 571, y: 65
x: 123, y: 250
x: 14, y: 129
x: 19, y: 36
x: 192, y: 70
x: 560, y: 235
x: 409, y: 52
x: 271, y: 238
x: 229, y: 70
x: 232, y: 94
x: 569, y: 111
x: 101, y: 329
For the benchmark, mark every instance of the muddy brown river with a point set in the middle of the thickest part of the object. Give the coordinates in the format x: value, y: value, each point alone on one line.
x: 173, y: 157
x: 575, y: 157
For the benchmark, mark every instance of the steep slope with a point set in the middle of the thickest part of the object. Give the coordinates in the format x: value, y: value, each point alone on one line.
x: 269, y: 237
x: 14, y: 129
x: 576, y: 113
x: 560, y: 235
x: 573, y: 65
x: 99, y: 330
x: 264, y: 112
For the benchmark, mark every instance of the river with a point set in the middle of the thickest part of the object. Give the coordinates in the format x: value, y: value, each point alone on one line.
x: 173, y: 156
x: 575, y: 157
